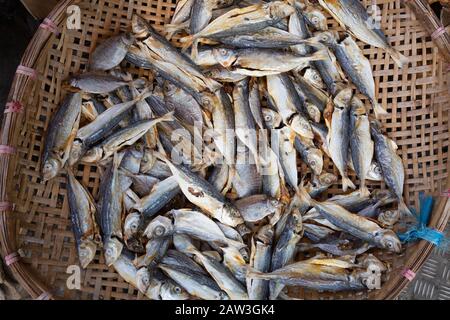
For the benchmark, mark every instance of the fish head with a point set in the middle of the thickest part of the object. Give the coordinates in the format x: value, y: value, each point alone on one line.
x: 112, y: 250
x: 225, y: 56
x: 245, y: 254
x: 86, y: 252
x: 231, y: 215
x: 313, y: 112
x: 274, y: 203
x: 343, y: 98
x: 139, y: 26
x: 50, y: 168
x: 271, y: 118
x: 328, y: 38
x: 280, y: 10
x: 389, y: 217
x: 128, y: 39
x: 387, y: 239
x: 143, y: 279
x: 375, y: 126
x: 297, y: 221
x: 219, y: 4
x: 131, y: 224
x: 76, y: 152
x: 327, y: 179
x: 93, y: 155
x: 243, y: 230
x: 172, y: 291
x: 265, y: 234
x: 315, y: 161
x: 357, y: 107
x: 369, y: 261
x: 313, y: 76
x: 302, y: 126
x: 317, y: 18
x: 159, y: 227
x: 222, y: 296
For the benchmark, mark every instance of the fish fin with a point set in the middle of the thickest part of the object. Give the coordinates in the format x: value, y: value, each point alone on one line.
x: 404, y: 210
x: 347, y: 183
x: 399, y: 59
x: 378, y: 110
x: 392, y: 143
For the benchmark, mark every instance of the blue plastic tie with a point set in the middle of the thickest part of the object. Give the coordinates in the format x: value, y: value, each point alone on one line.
x: 420, y: 230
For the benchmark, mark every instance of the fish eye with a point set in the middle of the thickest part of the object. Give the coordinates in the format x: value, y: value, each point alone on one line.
x: 315, y: 20
x: 312, y: 162
x: 134, y: 226
x: 223, y: 51
x: 177, y: 290
x: 268, y: 118
x: 159, y: 231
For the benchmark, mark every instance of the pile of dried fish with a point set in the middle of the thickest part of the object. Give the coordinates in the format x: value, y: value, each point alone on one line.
x: 201, y: 195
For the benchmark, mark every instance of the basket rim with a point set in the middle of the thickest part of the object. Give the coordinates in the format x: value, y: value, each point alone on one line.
x: 32, y: 283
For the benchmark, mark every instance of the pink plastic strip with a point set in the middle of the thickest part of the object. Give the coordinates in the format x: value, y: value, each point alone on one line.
x: 49, y: 25
x: 12, y: 258
x: 409, y: 274
x: 438, y: 32
x: 44, y: 296
x: 7, y: 150
x: 5, y: 206
x: 13, y: 107
x: 26, y: 71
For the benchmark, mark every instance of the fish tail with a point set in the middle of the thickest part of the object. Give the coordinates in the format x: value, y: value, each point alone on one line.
x: 404, y: 210
x: 319, y: 55
x: 167, y: 117
x: 303, y: 195
x: 172, y: 29
x: 378, y: 110
x: 347, y: 183
x: 229, y: 182
x: 212, y: 84
x: 399, y: 59
x: 187, y: 42
x: 363, y: 189
x: 255, y: 274
x: 117, y: 160
x: 144, y: 94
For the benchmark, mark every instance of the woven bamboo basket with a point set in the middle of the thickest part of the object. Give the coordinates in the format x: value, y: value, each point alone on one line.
x: 38, y: 227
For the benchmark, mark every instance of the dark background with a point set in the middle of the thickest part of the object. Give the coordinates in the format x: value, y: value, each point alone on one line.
x: 17, y: 27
